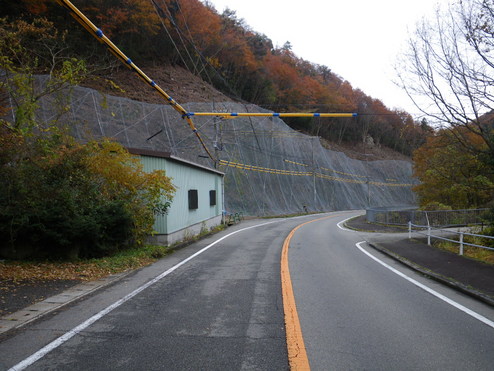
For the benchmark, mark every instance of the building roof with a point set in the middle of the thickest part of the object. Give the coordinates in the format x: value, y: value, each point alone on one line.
x: 169, y: 156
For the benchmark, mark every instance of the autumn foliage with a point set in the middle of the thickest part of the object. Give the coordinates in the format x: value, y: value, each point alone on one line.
x: 60, y: 198
x: 241, y: 62
x: 452, y: 174
x: 56, y: 202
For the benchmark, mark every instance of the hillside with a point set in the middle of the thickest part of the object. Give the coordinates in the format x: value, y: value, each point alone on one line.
x: 271, y: 166
x: 221, y: 49
x: 270, y: 169
x: 182, y: 85
x: 185, y: 87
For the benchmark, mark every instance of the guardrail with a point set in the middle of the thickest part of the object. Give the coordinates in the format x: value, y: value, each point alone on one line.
x: 438, y: 218
x: 447, y: 235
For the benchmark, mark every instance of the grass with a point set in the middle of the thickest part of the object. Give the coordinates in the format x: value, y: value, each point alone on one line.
x: 84, y: 270
x: 476, y: 253
x: 92, y: 269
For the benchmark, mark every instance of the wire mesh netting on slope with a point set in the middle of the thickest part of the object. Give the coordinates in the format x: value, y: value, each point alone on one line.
x: 270, y: 169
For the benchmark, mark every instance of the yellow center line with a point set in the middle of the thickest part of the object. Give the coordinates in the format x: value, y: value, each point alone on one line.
x: 297, y: 354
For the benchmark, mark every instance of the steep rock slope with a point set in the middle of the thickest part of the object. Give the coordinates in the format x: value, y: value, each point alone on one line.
x: 270, y: 168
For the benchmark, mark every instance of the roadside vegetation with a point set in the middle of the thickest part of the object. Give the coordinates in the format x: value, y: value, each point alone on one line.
x: 83, y: 269
x: 229, y: 55
x: 448, y: 69
x: 95, y: 268
x: 59, y: 198
x: 476, y: 253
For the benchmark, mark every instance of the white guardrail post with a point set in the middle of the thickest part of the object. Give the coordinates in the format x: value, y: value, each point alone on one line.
x: 409, y: 230
x: 429, y: 235
x: 461, y: 243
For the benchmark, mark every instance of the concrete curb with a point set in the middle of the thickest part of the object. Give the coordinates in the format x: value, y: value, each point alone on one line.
x: 33, y: 312
x: 468, y: 290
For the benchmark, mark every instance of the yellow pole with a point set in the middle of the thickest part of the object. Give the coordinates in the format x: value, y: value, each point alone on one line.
x: 274, y: 114
x: 98, y: 34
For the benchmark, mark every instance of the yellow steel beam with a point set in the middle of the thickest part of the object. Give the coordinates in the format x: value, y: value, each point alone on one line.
x: 273, y: 114
x: 98, y: 34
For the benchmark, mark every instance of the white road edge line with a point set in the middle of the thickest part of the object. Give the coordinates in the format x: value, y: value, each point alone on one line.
x: 71, y: 333
x: 340, y: 225
x: 464, y: 309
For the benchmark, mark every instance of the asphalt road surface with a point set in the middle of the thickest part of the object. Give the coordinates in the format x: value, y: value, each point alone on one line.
x: 357, y: 314
x: 217, y: 305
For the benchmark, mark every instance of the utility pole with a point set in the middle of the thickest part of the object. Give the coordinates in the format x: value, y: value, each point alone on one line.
x: 368, y: 192
x: 314, y: 174
x: 368, y: 177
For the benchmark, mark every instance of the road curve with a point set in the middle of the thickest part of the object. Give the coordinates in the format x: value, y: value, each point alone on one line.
x: 357, y: 314
x: 217, y: 305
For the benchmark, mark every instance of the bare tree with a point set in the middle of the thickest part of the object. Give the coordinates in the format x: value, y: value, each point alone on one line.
x: 448, y: 71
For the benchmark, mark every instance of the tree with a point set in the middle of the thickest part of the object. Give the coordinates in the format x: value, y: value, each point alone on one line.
x: 60, y: 198
x: 123, y: 17
x: 448, y: 72
x: 27, y: 49
x: 450, y: 175
x: 63, y: 199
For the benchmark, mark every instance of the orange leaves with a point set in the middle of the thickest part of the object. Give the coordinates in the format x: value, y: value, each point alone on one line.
x: 141, y: 16
x: 451, y: 174
x: 123, y: 173
x: 123, y: 17
x: 40, y: 271
x: 298, y: 82
x: 283, y: 75
x: 36, y: 6
x: 203, y: 24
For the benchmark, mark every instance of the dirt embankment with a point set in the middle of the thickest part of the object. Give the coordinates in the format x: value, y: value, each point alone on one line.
x: 180, y: 84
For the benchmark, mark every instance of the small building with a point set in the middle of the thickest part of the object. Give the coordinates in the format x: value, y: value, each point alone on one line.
x: 198, y: 201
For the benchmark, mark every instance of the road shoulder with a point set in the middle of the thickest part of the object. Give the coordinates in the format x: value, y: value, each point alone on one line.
x: 469, y: 276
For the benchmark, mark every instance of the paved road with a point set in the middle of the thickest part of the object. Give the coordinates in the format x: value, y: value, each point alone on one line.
x: 219, y: 307
x: 221, y: 310
x: 357, y: 314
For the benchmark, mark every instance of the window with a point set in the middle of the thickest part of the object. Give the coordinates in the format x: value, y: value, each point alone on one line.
x: 212, y: 198
x: 193, y: 199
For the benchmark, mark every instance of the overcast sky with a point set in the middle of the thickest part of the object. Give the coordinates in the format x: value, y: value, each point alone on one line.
x: 357, y: 39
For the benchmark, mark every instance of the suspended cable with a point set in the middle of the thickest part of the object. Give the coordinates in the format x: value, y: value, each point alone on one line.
x: 172, y: 21
x: 186, y: 26
x: 98, y: 34
x: 159, y: 12
x: 203, y: 59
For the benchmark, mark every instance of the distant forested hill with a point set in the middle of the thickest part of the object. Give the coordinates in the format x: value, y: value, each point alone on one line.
x: 226, y: 53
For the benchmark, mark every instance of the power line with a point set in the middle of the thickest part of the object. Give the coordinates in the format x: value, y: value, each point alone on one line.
x: 202, y: 58
x: 160, y: 13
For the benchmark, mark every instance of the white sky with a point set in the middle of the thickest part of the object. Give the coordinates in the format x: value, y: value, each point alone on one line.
x: 358, y: 40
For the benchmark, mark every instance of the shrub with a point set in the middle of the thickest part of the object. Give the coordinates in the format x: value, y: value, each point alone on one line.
x: 435, y: 206
x: 60, y: 198
x: 68, y: 200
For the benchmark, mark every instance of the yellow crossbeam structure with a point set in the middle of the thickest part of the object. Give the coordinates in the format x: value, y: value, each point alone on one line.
x: 274, y: 114
x: 98, y: 34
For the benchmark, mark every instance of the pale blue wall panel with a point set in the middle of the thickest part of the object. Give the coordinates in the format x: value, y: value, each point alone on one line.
x: 186, y: 177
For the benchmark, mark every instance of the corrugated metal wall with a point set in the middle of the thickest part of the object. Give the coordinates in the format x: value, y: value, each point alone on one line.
x: 184, y: 178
